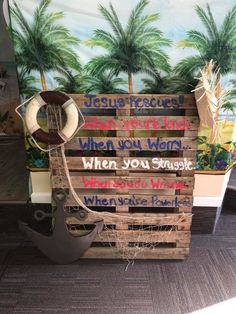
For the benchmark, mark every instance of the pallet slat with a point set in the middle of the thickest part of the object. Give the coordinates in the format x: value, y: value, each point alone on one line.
x: 143, y: 253
x: 139, y: 236
x: 135, y: 101
x: 126, y: 123
x: 126, y: 163
x: 117, y: 183
x: 183, y: 220
x: 132, y: 200
x: 133, y: 143
x: 145, y: 182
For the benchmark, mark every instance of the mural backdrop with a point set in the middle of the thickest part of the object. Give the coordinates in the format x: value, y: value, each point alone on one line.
x: 136, y: 46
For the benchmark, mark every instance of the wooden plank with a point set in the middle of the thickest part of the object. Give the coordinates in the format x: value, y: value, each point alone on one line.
x: 139, y: 236
x: 132, y: 200
x: 155, y: 183
x: 180, y: 244
x: 126, y: 163
x: 134, y: 101
x: 180, y: 219
x: 133, y: 143
x: 177, y: 123
x: 143, y: 253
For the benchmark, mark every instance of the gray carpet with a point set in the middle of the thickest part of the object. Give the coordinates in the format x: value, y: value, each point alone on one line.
x: 30, y: 283
x: 14, y: 176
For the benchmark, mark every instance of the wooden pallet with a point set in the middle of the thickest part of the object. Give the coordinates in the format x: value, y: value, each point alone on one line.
x: 139, y: 154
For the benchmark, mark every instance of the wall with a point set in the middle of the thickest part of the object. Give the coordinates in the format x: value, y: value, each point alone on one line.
x: 9, y: 94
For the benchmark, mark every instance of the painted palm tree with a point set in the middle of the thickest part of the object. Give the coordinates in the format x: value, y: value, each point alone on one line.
x: 230, y: 105
x: 70, y: 83
x: 233, y: 90
x: 42, y: 44
x: 104, y: 83
x: 155, y: 84
x: 132, y: 48
x: 26, y: 83
x: 168, y: 84
x: 216, y: 43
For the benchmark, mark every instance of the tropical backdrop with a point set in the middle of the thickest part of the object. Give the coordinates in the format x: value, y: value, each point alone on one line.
x: 140, y: 46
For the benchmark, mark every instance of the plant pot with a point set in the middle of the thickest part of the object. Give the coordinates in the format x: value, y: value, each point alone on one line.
x: 208, y: 194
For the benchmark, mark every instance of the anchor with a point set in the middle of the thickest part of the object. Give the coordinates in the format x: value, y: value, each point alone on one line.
x: 61, y: 246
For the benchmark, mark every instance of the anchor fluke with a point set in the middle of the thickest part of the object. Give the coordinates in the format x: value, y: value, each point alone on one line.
x: 61, y: 246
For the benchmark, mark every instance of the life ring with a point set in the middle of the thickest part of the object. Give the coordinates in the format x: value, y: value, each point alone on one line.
x: 52, y: 97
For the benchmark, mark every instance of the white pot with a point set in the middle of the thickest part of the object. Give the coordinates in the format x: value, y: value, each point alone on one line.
x: 210, y: 189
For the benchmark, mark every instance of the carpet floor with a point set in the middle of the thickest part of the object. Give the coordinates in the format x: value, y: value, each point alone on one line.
x: 31, y: 284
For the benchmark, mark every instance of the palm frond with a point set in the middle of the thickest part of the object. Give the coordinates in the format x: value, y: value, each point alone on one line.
x: 26, y: 83
x: 216, y: 44
x: 99, y: 64
x: 208, y: 21
x: 134, y: 17
x: 116, y: 20
x: 189, y: 66
x: 70, y: 83
x: 39, y: 13
x: 105, y: 82
x: 103, y: 39
x: 197, y: 40
x: 228, y: 28
x: 112, y: 21
x: 140, y: 26
x: 21, y: 21
x: 212, y: 22
x: 47, y: 23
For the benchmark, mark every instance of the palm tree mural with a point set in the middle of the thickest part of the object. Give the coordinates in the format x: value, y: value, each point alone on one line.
x: 216, y: 43
x: 42, y: 44
x: 170, y: 84
x: 154, y: 85
x: 70, y: 83
x: 132, y: 48
x: 104, y: 83
x: 26, y: 83
x: 230, y: 104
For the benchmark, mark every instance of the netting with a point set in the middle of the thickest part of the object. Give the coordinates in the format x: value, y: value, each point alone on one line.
x: 138, y: 240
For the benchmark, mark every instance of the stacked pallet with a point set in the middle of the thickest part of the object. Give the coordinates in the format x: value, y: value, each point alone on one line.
x: 134, y: 156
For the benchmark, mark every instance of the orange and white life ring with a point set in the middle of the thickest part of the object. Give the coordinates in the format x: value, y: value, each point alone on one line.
x: 56, y: 98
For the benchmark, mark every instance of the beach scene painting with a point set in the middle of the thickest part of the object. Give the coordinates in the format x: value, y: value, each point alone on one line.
x: 142, y: 47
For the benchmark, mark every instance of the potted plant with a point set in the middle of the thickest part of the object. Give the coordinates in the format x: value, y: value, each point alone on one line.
x: 216, y: 141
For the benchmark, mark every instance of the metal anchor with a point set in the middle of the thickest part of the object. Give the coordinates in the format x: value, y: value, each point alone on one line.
x: 39, y: 215
x: 61, y: 246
